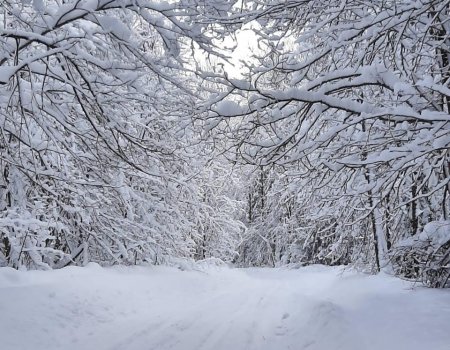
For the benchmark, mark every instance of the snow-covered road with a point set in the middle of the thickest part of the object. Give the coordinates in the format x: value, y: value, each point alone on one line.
x: 159, y: 308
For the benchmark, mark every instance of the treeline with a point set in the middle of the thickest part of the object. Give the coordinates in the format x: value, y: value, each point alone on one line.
x: 119, y: 144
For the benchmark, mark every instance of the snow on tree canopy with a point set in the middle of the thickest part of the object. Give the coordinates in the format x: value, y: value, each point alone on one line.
x: 436, y: 232
x: 228, y: 108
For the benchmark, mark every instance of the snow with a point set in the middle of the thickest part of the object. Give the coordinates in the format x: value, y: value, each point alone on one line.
x: 214, y: 307
x: 6, y: 72
x: 228, y: 108
x: 436, y: 232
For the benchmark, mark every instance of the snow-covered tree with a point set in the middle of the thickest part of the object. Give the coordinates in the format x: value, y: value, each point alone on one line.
x: 91, y: 95
x: 355, y: 96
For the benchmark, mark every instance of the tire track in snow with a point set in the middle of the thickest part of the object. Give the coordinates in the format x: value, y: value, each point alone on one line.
x: 240, y: 317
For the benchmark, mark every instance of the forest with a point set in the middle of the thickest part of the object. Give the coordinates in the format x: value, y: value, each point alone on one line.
x: 134, y: 132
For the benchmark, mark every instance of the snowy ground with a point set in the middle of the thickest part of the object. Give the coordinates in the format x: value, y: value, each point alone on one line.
x: 159, y: 308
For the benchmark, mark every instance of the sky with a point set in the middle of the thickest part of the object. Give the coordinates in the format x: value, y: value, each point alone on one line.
x: 246, y: 43
x: 238, y: 48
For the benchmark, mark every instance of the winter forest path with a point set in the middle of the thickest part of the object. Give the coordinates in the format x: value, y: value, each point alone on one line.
x: 160, y: 308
